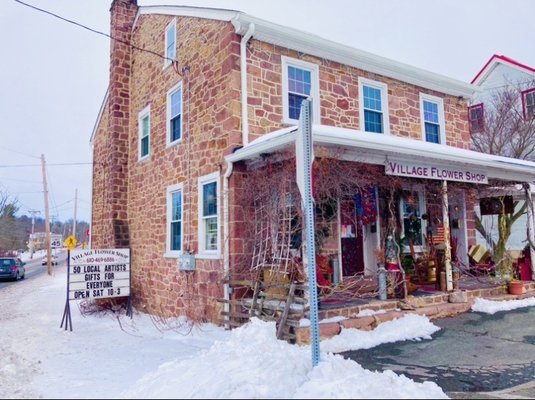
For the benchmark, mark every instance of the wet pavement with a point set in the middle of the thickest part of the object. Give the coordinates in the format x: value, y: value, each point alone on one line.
x: 471, y: 354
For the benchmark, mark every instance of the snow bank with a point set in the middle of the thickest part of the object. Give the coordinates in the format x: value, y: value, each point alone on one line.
x: 252, y: 363
x: 491, y: 307
x: 410, y: 327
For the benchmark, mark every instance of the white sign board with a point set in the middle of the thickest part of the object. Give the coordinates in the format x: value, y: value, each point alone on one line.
x: 431, y: 171
x: 99, y: 273
x: 56, y: 240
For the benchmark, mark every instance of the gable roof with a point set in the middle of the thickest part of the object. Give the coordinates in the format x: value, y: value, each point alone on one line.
x: 314, y: 45
x: 496, y: 60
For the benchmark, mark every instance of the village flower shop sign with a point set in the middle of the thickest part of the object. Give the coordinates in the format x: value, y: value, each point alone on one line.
x: 97, y: 274
x: 413, y: 170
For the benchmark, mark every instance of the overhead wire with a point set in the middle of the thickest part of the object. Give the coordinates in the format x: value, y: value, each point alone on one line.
x: 133, y: 46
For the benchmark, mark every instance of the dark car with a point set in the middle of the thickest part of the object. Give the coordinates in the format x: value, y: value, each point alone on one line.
x: 12, y: 268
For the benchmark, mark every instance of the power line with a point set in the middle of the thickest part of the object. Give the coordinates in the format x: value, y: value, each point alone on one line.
x: 97, y: 32
x: 18, y: 152
x: 48, y: 165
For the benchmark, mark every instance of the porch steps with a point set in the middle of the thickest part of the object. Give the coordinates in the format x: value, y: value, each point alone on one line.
x: 434, y: 307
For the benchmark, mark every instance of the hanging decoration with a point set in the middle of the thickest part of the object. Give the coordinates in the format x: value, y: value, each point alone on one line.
x: 366, y: 205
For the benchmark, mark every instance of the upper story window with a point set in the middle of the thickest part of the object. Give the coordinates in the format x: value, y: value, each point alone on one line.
x: 208, y: 215
x: 299, y: 81
x: 174, y: 114
x: 170, y: 43
x: 144, y: 132
x: 475, y: 118
x: 373, y: 106
x: 528, y: 103
x: 432, y: 115
x: 174, y: 220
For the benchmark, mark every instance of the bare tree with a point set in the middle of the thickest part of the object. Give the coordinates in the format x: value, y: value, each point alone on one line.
x: 506, y: 131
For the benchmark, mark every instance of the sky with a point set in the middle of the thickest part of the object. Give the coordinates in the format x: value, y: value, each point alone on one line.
x: 53, y: 75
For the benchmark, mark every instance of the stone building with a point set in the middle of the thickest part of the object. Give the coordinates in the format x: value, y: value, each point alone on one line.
x: 201, y: 99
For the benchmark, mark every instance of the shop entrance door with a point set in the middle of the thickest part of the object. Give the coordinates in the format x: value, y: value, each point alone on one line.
x: 351, y: 239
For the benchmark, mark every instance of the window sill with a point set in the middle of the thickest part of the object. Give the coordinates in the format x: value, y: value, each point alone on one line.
x: 207, y: 256
x: 173, y: 144
x: 144, y: 159
x: 172, y: 254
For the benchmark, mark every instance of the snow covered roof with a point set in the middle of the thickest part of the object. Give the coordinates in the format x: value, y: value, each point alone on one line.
x: 494, y: 61
x: 355, y: 145
x: 312, y: 44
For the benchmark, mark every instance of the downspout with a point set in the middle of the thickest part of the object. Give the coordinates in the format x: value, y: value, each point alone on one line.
x: 226, y: 235
x: 230, y: 166
x: 243, y: 72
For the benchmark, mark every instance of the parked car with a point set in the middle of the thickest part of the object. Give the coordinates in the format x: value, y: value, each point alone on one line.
x: 53, y: 260
x: 12, y: 268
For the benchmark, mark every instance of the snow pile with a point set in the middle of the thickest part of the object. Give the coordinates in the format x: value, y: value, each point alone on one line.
x: 410, y: 327
x: 252, y: 363
x: 369, y: 313
x: 491, y: 307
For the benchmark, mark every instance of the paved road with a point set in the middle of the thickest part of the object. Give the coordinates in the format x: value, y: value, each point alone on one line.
x: 34, y: 268
x: 473, y: 352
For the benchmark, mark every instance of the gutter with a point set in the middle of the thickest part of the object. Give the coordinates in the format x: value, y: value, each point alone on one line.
x: 243, y: 73
x: 226, y: 235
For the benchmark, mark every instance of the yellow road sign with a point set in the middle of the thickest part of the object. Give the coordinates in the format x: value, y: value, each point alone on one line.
x: 70, y: 242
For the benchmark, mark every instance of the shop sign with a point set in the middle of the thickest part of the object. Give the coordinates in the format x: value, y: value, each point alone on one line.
x: 430, y: 171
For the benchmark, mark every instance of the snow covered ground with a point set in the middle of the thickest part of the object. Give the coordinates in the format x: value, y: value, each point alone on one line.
x: 110, y: 356
x: 492, y: 307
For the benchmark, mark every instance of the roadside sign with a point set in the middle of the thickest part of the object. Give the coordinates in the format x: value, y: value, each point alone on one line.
x: 70, y: 242
x: 96, y: 274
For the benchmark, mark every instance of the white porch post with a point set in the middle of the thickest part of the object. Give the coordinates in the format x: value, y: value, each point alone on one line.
x: 447, y: 249
x: 531, y: 227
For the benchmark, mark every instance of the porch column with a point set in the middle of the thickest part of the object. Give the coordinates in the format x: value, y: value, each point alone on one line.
x: 531, y: 227
x: 447, y: 249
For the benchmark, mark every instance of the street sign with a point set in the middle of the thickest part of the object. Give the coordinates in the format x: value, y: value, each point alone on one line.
x: 70, y: 242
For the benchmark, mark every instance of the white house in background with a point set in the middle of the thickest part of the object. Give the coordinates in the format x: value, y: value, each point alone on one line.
x: 499, y: 72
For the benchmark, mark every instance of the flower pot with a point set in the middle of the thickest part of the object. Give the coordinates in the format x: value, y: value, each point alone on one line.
x: 516, y: 287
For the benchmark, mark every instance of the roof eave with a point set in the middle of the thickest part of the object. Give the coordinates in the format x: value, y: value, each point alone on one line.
x: 317, y: 46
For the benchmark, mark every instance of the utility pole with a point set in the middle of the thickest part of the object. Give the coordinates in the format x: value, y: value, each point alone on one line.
x: 47, y: 217
x: 32, y: 243
x: 74, y: 220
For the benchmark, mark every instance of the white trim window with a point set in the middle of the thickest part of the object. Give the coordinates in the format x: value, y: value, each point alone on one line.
x: 432, y: 117
x: 143, y: 121
x: 413, y: 226
x: 373, y: 106
x: 175, y: 226
x: 300, y: 80
x: 209, y: 215
x: 170, y: 43
x: 174, y: 115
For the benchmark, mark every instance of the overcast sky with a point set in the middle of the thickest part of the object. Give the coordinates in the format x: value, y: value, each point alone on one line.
x: 53, y: 75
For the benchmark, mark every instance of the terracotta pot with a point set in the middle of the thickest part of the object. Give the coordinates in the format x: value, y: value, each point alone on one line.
x: 516, y: 287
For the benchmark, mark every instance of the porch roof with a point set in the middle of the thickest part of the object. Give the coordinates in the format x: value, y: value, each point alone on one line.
x: 371, y: 148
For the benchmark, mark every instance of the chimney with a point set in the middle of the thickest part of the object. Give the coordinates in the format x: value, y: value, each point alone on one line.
x: 123, y: 14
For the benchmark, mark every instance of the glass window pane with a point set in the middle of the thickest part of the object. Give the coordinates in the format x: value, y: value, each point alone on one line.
x: 176, y: 237
x: 412, y: 218
x: 176, y: 103
x: 430, y: 112
x: 373, y: 121
x: 145, y: 126
x: 209, y: 199
x: 432, y: 132
x: 294, y: 103
x: 170, y: 37
x: 176, y: 213
x: 176, y: 128
x: 144, y: 146
x: 210, y: 233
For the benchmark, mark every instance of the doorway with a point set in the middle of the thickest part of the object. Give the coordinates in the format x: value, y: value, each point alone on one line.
x: 351, y: 239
